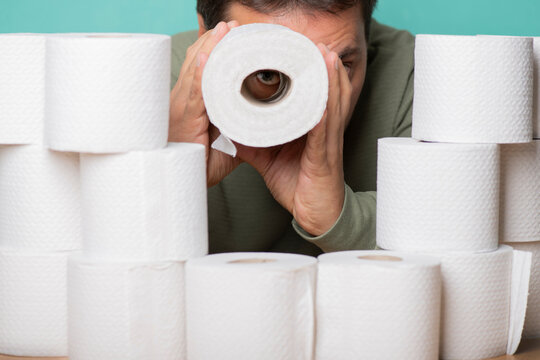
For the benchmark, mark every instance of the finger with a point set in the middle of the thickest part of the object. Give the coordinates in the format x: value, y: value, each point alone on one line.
x: 316, y: 147
x: 194, y: 125
x: 334, y: 94
x: 209, y: 44
x: 205, y: 44
x: 233, y: 24
x: 181, y: 92
x: 345, y: 90
x: 259, y: 158
x: 316, y: 144
x: 337, y: 122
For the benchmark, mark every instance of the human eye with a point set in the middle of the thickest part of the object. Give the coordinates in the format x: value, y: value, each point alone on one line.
x: 267, y: 77
x: 264, y: 85
x: 347, y: 66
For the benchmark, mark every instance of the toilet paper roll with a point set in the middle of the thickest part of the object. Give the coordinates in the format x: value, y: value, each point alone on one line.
x: 260, y: 306
x: 473, y: 89
x: 33, y: 303
x: 378, y: 305
x: 40, y: 199
x: 520, y: 192
x: 107, y: 92
x: 125, y: 310
x: 437, y: 197
x: 262, y: 123
x: 532, y: 319
x: 475, y: 304
x: 145, y: 205
x: 22, y: 89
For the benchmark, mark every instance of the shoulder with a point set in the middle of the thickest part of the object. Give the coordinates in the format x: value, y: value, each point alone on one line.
x: 390, y: 50
x: 390, y: 70
x: 179, y: 44
x: 388, y: 38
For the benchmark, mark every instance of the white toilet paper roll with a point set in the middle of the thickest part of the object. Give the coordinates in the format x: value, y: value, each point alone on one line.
x: 536, y: 97
x: 33, y: 304
x: 532, y: 319
x: 108, y: 92
x: 251, y: 48
x: 473, y: 89
x: 126, y: 310
x: 145, y: 205
x: 22, y: 88
x: 437, y: 197
x: 475, y: 304
x: 250, y: 306
x: 378, y: 305
x: 40, y: 199
x: 520, y: 192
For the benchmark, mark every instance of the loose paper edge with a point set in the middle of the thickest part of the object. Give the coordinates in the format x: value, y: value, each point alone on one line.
x: 521, y: 273
x: 225, y: 145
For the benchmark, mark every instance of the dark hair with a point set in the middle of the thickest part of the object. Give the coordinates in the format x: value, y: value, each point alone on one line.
x: 213, y: 11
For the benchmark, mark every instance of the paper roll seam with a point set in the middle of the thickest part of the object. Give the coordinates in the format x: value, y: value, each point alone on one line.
x: 532, y: 318
x: 134, y: 204
x: 477, y: 303
x: 270, y: 311
x: 119, y: 309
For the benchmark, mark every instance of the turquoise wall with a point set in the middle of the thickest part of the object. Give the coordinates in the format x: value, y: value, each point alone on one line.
x: 511, y: 17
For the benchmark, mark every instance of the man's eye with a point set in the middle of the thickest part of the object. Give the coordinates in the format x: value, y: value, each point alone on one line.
x: 348, y: 66
x: 269, y: 78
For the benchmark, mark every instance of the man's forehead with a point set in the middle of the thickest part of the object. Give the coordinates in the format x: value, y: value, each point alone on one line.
x: 340, y: 31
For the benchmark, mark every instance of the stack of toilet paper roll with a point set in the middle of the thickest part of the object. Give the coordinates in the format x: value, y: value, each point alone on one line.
x: 520, y: 202
x: 451, y: 191
x: 97, y: 105
x: 39, y: 208
x: 143, y: 201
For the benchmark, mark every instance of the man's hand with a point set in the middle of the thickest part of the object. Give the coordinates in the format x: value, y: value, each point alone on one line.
x: 188, y: 119
x: 306, y: 175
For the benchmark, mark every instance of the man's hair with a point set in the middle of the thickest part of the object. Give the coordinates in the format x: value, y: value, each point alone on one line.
x: 213, y: 11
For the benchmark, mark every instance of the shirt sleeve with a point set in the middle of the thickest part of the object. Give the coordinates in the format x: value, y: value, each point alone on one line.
x: 353, y: 230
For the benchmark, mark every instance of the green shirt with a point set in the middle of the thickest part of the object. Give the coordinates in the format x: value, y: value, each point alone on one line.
x: 243, y: 215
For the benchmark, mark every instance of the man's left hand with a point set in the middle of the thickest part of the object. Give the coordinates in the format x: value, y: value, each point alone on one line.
x: 306, y: 176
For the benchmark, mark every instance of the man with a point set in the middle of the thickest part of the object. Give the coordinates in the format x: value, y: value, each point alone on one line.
x: 316, y: 193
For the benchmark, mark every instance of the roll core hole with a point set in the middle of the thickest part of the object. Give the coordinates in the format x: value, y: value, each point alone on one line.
x: 380, y: 258
x: 266, y: 86
x: 251, y: 261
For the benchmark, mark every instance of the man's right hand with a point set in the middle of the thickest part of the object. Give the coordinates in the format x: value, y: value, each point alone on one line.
x: 188, y: 119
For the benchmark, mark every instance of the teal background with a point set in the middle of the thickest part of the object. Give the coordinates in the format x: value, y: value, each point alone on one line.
x: 500, y: 17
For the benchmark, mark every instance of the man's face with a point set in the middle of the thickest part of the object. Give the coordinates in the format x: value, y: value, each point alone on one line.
x: 342, y: 33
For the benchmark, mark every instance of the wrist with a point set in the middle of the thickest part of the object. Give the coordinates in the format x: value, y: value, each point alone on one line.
x: 319, y: 220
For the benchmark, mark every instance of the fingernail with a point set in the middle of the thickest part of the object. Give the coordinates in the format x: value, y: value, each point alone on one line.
x: 336, y: 63
x: 230, y: 24
x: 198, y: 63
x: 217, y: 28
